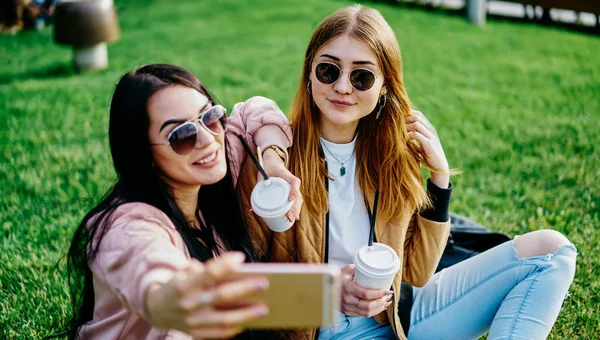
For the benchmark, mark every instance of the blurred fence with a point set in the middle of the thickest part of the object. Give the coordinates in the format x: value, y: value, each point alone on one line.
x: 582, y: 15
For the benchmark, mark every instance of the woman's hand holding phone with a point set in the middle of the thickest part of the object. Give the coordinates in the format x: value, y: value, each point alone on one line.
x: 203, y: 300
x: 360, y: 301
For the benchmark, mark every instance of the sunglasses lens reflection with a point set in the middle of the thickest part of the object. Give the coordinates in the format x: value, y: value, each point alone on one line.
x: 327, y: 73
x: 183, y: 139
x: 362, y: 80
x: 215, y: 120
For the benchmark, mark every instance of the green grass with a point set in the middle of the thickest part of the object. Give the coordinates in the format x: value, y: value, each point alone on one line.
x: 517, y: 107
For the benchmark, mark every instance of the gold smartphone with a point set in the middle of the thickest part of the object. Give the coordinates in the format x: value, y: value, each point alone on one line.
x: 300, y: 295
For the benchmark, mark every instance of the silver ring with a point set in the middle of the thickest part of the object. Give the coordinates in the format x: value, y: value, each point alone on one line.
x: 358, y: 303
x: 205, y: 298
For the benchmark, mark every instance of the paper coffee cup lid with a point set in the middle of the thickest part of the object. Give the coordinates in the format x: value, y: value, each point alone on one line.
x: 270, y: 197
x: 379, y: 259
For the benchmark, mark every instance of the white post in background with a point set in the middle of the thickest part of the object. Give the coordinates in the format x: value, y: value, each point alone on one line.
x: 476, y: 11
x: 88, y: 58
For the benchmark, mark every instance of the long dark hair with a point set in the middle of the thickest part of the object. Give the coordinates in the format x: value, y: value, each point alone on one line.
x: 138, y: 181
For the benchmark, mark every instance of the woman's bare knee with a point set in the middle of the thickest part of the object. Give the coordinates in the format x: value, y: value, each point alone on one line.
x: 539, y: 243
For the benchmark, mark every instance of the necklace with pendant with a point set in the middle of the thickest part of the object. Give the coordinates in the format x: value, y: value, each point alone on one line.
x: 343, y: 168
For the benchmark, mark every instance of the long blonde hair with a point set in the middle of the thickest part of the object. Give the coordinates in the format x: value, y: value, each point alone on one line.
x: 387, y: 160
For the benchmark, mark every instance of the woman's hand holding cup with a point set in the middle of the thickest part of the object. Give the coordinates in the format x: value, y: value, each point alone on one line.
x: 274, y: 166
x: 360, y: 301
x: 205, y: 300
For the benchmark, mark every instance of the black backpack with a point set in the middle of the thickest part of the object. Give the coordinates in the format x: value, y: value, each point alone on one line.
x: 467, y: 239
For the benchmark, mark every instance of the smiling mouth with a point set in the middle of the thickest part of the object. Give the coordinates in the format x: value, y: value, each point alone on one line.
x: 207, y: 159
x: 340, y: 103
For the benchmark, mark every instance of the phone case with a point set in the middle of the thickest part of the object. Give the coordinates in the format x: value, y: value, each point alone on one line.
x: 300, y: 295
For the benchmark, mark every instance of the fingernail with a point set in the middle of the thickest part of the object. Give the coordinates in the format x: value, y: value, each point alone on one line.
x: 292, y: 198
x: 387, y: 305
x: 389, y: 298
x: 239, y: 257
x: 260, y: 311
x: 262, y: 284
x: 389, y: 292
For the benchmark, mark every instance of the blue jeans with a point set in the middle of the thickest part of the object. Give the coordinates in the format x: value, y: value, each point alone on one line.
x: 512, y: 298
x: 356, y: 327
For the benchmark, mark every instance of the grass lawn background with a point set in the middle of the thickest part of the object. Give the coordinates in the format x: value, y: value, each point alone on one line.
x: 517, y: 107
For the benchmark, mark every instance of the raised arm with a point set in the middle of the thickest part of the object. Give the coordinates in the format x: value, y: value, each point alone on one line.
x: 142, y: 259
x: 139, y: 249
x: 261, y: 123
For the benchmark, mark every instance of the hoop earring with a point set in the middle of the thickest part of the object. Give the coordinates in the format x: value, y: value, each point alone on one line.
x: 381, y: 105
x: 308, y: 87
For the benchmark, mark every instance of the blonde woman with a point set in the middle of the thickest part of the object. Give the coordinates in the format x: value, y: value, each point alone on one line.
x: 355, y: 134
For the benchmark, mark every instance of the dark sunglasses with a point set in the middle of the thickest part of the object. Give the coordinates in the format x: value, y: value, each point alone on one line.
x: 183, y: 138
x: 360, y: 78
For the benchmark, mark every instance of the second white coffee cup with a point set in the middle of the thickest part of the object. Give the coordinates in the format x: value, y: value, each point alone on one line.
x: 376, y: 266
x: 269, y: 200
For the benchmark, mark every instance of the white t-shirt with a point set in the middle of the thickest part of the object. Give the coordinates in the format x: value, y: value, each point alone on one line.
x: 348, y: 219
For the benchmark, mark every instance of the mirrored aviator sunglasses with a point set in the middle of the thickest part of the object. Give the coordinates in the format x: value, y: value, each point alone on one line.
x: 360, y: 78
x: 183, y: 138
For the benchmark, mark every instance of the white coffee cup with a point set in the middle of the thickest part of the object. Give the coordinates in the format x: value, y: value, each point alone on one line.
x: 269, y: 200
x: 376, y: 266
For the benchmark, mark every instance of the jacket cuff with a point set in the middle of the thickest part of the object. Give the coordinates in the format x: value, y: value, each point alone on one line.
x: 440, y: 202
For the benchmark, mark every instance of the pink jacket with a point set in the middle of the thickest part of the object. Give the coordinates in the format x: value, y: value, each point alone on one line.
x: 142, y: 247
